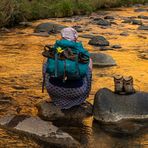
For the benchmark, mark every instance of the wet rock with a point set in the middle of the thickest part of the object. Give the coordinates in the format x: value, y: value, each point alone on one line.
x: 127, y: 21
x: 143, y: 17
x: 104, y: 48
x: 98, y: 41
x: 77, y: 18
x: 136, y: 22
x: 143, y: 55
x: 89, y: 36
x: 132, y: 17
x: 103, y: 27
x: 78, y: 28
x: 5, y: 99
x: 39, y: 130
x: 18, y: 87
x: 102, y: 22
x: 102, y: 60
x: 5, y: 30
x: 132, y: 21
x: 124, y: 34
x: 142, y: 27
x: 42, y: 34
x: 137, y: 5
x: 141, y: 36
x: 25, y: 24
x: 67, y: 20
x: 121, y: 113
x: 48, y: 111
x: 141, y: 10
x: 113, y: 23
x: 49, y: 28
x: 116, y: 46
x: 109, y: 17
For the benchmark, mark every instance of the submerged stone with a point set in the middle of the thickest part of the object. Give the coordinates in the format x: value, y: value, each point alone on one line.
x: 49, y: 28
x: 102, y: 60
x: 124, y: 34
x: 48, y: 111
x: 121, y: 113
x: 39, y: 130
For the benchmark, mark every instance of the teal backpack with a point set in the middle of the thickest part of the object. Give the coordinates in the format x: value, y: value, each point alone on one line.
x: 67, y: 60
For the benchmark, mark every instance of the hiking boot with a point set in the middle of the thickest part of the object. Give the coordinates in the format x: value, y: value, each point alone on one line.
x: 118, y: 80
x: 128, y: 85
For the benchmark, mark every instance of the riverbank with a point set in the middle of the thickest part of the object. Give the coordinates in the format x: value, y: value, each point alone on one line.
x: 12, y: 12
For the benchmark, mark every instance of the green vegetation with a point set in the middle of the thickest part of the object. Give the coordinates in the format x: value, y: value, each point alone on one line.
x: 14, y: 11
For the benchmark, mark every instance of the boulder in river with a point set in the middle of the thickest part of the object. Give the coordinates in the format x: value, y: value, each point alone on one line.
x: 109, y: 17
x: 143, y: 17
x: 116, y: 46
x: 102, y: 22
x: 89, y: 36
x: 124, y: 34
x: 78, y: 28
x: 141, y: 10
x: 49, y: 28
x: 48, y: 111
x: 127, y: 20
x: 142, y: 27
x: 98, y: 41
x: 102, y: 60
x: 136, y: 22
x: 39, y: 130
x: 25, y: 24
x: 5, y: 99
x: 143, y: 55
x: 105, y: 48
x: 121, y: 113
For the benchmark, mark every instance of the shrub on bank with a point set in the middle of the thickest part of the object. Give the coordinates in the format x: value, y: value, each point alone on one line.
x: 14, y: 11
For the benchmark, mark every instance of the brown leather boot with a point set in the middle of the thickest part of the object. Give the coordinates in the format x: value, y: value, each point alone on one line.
x: 118, y: 81
x: 128, y: 85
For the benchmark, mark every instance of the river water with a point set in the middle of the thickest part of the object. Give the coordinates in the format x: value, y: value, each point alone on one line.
x: 20, y: 76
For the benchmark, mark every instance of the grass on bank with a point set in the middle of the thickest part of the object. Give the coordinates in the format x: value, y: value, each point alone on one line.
x: 14, y: 11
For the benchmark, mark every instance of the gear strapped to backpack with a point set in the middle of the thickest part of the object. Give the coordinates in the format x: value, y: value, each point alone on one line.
x: 66, y: 60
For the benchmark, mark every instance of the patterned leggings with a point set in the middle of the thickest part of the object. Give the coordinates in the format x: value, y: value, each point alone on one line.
x: 66, y: 98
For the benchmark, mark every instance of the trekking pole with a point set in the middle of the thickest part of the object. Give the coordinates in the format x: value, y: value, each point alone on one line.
x: 44, y: 74
x: 43, y: 83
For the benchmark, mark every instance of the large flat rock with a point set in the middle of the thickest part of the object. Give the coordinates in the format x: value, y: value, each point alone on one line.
x: 102, y: 60
x: 123, y: 113
x: 49, y: 27
x: 48, y: 111
x: 40, y: 130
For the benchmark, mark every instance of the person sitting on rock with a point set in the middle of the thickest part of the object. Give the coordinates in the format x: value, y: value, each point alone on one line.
x: 68, y: 92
